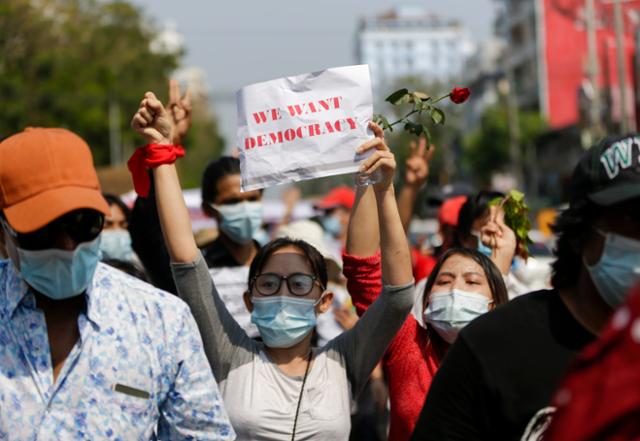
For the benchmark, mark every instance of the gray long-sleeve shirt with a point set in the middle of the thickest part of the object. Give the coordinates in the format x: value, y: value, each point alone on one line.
x: 259, y: 398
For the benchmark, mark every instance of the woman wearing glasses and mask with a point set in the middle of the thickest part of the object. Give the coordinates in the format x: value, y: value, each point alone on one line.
x: 282, y: 388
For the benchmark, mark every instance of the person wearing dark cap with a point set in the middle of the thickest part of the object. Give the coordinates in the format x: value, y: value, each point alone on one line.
x: 498, y: 379
x: 86, y: 351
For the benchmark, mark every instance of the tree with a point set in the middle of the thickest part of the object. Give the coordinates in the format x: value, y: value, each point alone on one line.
x: 486, y: 149
x: 66, y: 61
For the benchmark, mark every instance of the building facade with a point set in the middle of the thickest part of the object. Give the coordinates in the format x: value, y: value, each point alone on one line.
x: 407, y: 41
x: 548, y: 57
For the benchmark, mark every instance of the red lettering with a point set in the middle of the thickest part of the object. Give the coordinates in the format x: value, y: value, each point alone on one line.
x: 336, y: 102
x: 249, y: 143
x: 276, y: 138
x: 329, y: 127
x: 299, y: 132
x: 295, y: 110
x: 352, y: 123
x: 289, y: 134
x: 325, y: 104
x: 262, y: 140
x: 338, y: 125
x: 314, y: 129
x: 275, y: 114
x: 260, y: 117
x: 312, y: 108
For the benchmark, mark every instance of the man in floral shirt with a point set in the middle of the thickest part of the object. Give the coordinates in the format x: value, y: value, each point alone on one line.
x: 87, y: 352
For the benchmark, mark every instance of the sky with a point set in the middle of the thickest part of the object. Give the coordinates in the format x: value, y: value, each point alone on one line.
x: 243, y: 42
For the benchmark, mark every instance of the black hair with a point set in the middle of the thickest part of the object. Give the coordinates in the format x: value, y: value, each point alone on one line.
x: 572, y: 227
x: 474, y: 208
x: 494, y: 278
x: 112, y: 199
x: 216, y: 170
x: 315, y: 259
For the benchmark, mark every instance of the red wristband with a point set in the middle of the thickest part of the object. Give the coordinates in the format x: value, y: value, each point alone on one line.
x: 150, y: 156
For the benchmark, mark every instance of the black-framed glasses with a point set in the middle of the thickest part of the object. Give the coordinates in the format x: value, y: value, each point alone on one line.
x: 81, y: 225
x: 299, y: 284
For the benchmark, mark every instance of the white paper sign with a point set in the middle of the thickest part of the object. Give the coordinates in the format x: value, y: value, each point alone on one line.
x: 303, y: 127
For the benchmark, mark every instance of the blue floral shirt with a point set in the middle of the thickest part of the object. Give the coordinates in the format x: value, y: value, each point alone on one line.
x: 137, y: 372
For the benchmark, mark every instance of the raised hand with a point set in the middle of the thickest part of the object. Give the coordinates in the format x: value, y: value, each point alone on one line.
x: 502, y: 240
x: 152, y: 121
x: 179, y: 108
x: 417, y: 163
x: 382, y: 159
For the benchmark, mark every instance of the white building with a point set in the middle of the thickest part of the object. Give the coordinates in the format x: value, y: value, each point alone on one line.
x: 407, y: 41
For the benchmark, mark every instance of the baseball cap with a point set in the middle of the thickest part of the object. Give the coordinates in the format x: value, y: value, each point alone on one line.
x: 45, y: 173
x: 338, y: 197
x: 450, y: 210
x: 608, y: 173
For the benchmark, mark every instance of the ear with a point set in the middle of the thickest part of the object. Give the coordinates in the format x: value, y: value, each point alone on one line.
x: 247, y: 301
x: 325, y: 303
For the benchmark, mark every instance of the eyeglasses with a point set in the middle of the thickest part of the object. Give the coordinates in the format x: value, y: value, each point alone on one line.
x: 299, y: 284
x: 81, y: 225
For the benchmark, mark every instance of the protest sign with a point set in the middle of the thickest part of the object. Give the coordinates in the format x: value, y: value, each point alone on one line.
x: 231, y: 283
x: 303, y: 127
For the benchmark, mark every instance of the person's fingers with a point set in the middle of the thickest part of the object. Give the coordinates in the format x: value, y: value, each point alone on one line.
x: 384, y: 161
x: 422, y: 147
x: 138, y: 122
x: 412, y: 150
x: 377, y: 143
x: 375, y: 157
x: 174, y: 92
x: 377, y: 130
x: 154, y: 104
x: 186, y: 100
x: 430, y: 152
x: 144, y: 112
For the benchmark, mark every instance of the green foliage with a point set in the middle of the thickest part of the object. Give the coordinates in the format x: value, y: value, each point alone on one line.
x: 421, y: 103
x: 486, y: 149
x: 516, y: 217
x: 64, y: 61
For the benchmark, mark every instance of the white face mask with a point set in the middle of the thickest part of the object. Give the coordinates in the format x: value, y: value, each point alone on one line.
x: 449, y: 312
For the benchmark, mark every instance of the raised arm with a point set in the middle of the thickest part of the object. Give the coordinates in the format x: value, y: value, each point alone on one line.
x: 365, y: 344
x: 221, y: 335
x: 416, y: 175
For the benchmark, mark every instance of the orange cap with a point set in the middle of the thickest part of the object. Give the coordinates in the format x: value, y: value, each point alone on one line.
x: 45, y: 173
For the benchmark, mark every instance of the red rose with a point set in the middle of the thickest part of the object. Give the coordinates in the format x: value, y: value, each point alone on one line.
x: 459, y: 94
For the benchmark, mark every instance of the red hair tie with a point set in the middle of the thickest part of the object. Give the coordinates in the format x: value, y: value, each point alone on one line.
x: 150, y: 156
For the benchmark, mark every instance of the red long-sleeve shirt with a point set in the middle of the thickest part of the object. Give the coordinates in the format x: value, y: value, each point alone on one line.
x: 410, y: 361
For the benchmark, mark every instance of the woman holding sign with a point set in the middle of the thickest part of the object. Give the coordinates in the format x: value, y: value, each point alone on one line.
x: 284, y: 389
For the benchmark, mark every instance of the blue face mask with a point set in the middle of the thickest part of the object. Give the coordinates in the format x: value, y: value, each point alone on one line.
x: 116, y: 244
x: 482, y: 248
x: 283, y: 321
x: 239, y: 222
x: 449, y: 312
x: 60, y: 274
x: 331, y: 225
x: 618, y: 269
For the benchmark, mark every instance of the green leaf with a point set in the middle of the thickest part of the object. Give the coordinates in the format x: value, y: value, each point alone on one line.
x: 437, y: 115
x: 401, y: 96
x: 414, y: 128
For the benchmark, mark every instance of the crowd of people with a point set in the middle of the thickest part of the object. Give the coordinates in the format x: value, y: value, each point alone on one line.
x: 117, y: 322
